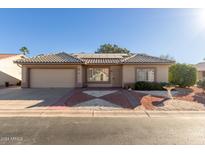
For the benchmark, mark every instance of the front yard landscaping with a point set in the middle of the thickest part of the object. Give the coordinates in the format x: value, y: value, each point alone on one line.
x: 184, y: 99
x: 184, y: 95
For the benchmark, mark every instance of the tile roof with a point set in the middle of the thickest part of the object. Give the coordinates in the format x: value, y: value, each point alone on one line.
x: 50, y: 58
x: 102, y: 60
x: 97, y: 55
x: 200, y: 66
x: 145, y: 59
x: 61, y: 58
x: 2, y: 56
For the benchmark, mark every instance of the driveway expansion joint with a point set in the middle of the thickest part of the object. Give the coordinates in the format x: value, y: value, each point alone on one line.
x: 148, y: 115
x: 93, y: 113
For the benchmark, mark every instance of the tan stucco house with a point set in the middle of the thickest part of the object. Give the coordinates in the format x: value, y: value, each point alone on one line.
x: 91, y: 70
x: 9, y: 71
x: 200, y: 71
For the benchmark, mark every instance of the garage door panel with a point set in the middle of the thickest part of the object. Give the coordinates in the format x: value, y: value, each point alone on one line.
x: 51, y: 78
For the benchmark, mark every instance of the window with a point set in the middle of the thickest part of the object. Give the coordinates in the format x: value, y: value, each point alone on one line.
x: 145, y: 74
x: 98, y: 74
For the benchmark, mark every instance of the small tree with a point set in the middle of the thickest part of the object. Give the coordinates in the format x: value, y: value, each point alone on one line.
x: 168, y: 57
x: 109, y: 48
x: 182, y: 74
x: 24, y: 50
x: 201, y: 84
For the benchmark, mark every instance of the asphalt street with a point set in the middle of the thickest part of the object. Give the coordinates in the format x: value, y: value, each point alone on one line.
x: 132, y: 130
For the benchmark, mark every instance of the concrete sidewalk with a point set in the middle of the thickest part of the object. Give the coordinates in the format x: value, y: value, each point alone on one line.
x: 98, y: 113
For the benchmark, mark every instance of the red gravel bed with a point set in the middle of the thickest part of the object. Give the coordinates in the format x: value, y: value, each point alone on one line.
x: 192, y: 94
x: 118, y: 99
x: 147, y: 101
x: 77, y: 98
x: 151, y: 102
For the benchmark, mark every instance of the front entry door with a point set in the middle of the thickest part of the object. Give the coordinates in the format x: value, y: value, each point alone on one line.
x: 116, y: 77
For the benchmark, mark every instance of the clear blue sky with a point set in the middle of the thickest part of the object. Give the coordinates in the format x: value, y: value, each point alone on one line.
x: 153, y: 31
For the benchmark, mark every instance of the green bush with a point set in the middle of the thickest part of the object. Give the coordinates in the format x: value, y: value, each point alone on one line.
x: 182, y: 75
x: 143, y: 85
x: 7, y: 84
x: 18, y: 83
x: 201, y: 84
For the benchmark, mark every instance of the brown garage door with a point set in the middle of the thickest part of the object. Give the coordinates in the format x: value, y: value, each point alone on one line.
x: 52, y: 78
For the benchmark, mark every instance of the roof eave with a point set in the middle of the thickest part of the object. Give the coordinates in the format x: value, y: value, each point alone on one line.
x: 46, y: 63
x: 102, y: 63
x: 148, y: 63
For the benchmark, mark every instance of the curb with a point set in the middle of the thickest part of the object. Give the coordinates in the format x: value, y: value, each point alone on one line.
x: 71, y: 113
x: 184, y: 114
x: 99, y: 113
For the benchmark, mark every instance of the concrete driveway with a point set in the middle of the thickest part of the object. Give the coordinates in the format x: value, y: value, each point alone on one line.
x: 17, y: 98
x: 55, y: 98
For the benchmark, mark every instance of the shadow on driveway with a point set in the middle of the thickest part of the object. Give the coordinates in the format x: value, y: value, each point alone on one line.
x: 31, y: 97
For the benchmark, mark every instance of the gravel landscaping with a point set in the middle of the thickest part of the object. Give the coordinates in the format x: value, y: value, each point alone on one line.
x: 158, y: 93
x: 99, y: 93
x: 180, y: 105
x: 185, y: 99
x: 97, y: 104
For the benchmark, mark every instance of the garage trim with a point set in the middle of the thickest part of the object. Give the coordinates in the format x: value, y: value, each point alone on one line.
x: 48, y: 67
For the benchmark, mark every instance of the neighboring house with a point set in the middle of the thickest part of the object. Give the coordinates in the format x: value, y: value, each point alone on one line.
x: 9, y: 71
x: 200, y: 71
x: 92, y: 70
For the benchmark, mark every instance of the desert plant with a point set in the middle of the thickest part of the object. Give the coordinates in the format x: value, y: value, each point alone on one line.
x: 183, y: 75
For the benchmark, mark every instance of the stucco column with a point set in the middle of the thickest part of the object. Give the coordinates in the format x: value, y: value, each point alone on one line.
x: 25, y: 77
x: 79, y: 76
x: 123, y: 76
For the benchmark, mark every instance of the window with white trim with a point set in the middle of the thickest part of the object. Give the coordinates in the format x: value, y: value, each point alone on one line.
x: 145, y: 74
x: 98, y: 74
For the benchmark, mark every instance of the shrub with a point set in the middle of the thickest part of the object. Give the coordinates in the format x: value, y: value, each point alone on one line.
x: 143, y: 85
x: 182, y: 74
x: 201, y: 84
x: 18, y: 83
x: 6, y: 84
x: 129, y: 85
